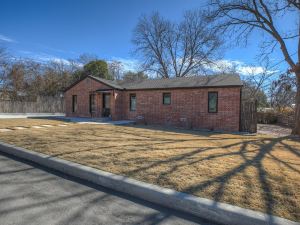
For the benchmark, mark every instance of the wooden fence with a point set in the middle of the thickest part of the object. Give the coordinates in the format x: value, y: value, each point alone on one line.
x: 249, y: 116
x: 41, y: 105
x: 286, y: 120
x: 272, y: 117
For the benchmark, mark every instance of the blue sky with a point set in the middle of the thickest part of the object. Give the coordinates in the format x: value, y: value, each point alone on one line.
x: 64, y: 29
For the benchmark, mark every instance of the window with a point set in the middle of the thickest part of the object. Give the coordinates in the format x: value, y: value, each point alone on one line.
x: 106, y: 100
x: 132, y: 102
x: 212, y: 102
x: 74, y: 103
x: 167, y: 98
x: 92, y: 103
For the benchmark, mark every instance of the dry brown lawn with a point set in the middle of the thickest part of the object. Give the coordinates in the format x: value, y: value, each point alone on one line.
x: 257, y: 172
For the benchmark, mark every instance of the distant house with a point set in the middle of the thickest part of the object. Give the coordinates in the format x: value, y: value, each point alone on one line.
x: 208, y: 102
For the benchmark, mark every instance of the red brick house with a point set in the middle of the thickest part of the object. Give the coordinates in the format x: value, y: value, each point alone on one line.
x: 203, y: 102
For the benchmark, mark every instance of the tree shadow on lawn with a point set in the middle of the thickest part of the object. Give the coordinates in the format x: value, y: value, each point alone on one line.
x: 264, y: 148
x: 264, y: 151
x: 223, y: 180
x: 178, y: 130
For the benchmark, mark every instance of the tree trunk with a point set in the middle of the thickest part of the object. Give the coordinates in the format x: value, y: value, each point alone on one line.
x: 296, y: 130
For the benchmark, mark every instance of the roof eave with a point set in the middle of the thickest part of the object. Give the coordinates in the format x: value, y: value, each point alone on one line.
x: 103, y: 82
x: 220, y: 86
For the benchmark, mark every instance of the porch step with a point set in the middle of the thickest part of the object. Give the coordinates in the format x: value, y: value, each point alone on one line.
x: 84, y: 119
x: 102, y: 119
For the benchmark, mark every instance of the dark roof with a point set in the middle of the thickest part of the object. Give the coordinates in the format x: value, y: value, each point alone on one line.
x: 185, y: 82
x: 110, y: 83
x: 178, y: 82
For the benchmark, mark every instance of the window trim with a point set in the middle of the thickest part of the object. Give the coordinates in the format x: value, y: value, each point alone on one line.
x: 74, y: 106
x: 130, y: 101
x: 167, y: 93
x: 217, y: 101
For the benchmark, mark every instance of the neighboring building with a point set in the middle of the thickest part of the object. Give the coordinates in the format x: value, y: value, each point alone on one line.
x: 208, y: 102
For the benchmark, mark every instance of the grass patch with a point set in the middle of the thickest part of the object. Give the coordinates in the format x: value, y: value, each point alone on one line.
x: 257, y: 172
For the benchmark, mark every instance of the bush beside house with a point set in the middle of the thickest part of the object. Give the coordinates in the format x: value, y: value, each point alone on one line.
x: 270, y: 116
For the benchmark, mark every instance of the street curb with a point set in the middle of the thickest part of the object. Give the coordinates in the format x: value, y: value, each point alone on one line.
x: 204, y: 208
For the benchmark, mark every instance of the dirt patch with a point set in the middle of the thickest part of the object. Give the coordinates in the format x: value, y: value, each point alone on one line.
x: 257, y: 172
x: 274, y: 130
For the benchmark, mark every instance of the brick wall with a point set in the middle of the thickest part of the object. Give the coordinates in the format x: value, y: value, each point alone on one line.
x: 189, y: 108
x: 83, y: 90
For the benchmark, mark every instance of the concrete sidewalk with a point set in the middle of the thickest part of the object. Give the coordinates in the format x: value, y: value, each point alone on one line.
x: 34, y: 195
x: 28, y: 115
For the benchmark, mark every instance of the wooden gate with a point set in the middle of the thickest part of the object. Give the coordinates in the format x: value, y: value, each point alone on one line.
x: 249, y: 116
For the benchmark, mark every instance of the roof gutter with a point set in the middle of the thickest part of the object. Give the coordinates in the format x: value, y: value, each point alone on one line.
x: 163, y: 88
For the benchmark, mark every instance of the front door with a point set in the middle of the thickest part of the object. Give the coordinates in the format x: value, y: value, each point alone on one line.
x: 106, y: 105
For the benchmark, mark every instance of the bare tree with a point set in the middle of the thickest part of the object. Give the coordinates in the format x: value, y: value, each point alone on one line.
x: 257, y: 82
x: 241, y: 17
x: 116, y: 69
x: 4, y: 64
x: 56, y: 76
x: 282, y: 92
x: 15, y: 84
x: 295, y: 3
x: 176, y: 49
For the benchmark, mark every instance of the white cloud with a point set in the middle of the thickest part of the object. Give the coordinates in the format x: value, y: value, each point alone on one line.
x: 237, y: 66
x: 60, y: 60
x: 51, y: 49
x: 6, y: 39
x: 47, y: 58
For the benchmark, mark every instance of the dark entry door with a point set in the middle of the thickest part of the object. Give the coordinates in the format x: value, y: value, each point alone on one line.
x: 106, y: 105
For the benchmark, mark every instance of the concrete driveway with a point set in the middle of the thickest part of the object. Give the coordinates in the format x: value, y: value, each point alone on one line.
x: 30, y: 194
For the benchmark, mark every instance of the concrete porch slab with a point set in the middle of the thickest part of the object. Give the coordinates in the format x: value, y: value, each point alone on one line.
x: 20, y: 128
x: 5, y: 130
x: 100, y: 121
x: 86, y: 119
x: 37, y: 127
x: 118, y: 122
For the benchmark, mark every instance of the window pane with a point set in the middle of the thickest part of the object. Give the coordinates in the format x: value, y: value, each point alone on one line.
x: 132, y: 102
x: 74, y: 103
x: 107, y: 101
x: 92, y: 103
x: 212, y: 101
x: 166, y: 98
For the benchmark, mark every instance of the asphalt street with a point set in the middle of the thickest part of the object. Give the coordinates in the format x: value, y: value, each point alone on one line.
x: 33, y: 195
